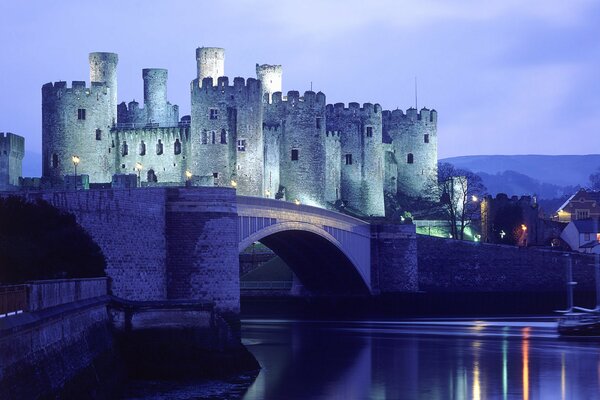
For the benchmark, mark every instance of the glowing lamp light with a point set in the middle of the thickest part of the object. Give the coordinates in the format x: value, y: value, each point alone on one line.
x: 233, y: 183
x: 502, y: 234
x: 474, y: 198
x: 297, y: 202
x: 188, y: 174
x: 75, y: 160
x: 267, y: 193
x: 138, y: 167
x: 523, y: 227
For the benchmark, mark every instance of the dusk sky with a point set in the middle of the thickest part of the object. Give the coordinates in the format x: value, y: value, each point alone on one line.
x: 506, y: 76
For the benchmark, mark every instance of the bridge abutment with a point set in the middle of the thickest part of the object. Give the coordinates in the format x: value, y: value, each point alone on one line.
x: 393, y: 258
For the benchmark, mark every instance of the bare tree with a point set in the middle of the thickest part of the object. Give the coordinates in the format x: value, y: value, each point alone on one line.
x: 595, y: 180
x: 460, y: 192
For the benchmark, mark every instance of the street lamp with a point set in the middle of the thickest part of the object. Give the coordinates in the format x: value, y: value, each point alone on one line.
x: 188, y: 174
x: 138, y: 168
x: 75, y: 160
x: 297, y: 202
x: 267, y: 193
x: 474, y: 198
x: 233, y: 183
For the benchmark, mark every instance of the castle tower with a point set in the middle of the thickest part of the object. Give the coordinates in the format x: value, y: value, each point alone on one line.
x: 210, y: 63
x: 12, y: 151
x: 270, y: 78
x: 303, y: 149
x: 227, y: 133
x: 155, y: 94
x: 414, y: 143
x: 362, y: 158
x: 103, y: 68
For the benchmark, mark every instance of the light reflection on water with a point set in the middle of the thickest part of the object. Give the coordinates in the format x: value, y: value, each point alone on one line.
x: 422, y: 359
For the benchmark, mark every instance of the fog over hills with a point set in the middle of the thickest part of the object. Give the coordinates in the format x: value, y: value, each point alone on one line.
x: 547, y: 176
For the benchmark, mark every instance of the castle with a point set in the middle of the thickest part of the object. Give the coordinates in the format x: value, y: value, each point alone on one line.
x: 244, y: 133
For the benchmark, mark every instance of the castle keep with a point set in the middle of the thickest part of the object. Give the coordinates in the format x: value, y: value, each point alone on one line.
x: 244, y: 133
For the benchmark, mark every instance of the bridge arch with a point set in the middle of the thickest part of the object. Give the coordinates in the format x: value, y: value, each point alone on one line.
x: 314, y: 255
x: 328, y: 251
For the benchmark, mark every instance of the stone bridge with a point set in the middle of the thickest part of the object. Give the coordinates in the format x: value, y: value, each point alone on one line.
x: 184, y: 243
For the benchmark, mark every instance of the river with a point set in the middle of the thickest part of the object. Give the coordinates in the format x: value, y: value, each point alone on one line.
x: 419, y: 359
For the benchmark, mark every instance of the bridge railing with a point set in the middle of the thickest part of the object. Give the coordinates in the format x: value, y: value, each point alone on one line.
x: 274, y: 285
x: 38, y: 295
x: 289, y: 206
x: 13, y: 300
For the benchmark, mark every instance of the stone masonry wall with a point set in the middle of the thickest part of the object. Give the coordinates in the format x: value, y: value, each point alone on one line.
x: 393, y: 258
x: 452, y: 265
x: 129, y: 227
x: 202, y: 247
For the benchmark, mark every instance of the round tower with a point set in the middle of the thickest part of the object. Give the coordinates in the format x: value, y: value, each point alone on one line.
x: 414, y: 142
x: 362, y: 167
x: 210, y: 62
x: 155, y: 94
x: 103, y: 68
x: 227, y: 146
x: 270, y: 78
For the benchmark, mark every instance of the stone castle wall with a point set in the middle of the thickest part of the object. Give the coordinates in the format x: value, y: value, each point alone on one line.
x: 76, y: 120
x: 164, y: 153
x: 414, y: 140
x: 240, y: 135
x: 12, y: 151
x: 302, y: 156
x: 362, y: 155
x: 227, y: 134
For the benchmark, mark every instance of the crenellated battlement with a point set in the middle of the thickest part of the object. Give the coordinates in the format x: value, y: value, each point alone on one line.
x: 223, y: 87
x: 13, y: 143
x: 77, y: 87
x: 293, y: 99
x: 353, y: 109
x: 398, y: 116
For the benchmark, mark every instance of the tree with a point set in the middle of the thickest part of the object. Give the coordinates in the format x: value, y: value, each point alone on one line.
x: 595, y: 180
x: 38, y: 241
x: 460, y: 192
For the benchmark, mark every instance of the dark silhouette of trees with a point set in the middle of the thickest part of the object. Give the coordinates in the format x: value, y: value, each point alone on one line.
x: 460, y: 192
x: 38, y: 241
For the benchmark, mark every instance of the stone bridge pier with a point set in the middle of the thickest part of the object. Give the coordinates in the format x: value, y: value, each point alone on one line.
x: 184, y: 243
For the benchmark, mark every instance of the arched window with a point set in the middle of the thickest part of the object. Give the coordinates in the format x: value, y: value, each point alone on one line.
x: 151, y: 176
x: 223, y: 136
x: 213, y: 137
x: 409, y: 158
x: 142, y: 149
x: 54, y: 160
x: 177, y: 146
x: 159, y: 149
x: 124, y: 149
x: 204, y: 137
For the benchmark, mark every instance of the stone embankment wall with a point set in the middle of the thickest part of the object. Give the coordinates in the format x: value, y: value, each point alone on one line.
x: 63, y: 348
x: 447, y: 265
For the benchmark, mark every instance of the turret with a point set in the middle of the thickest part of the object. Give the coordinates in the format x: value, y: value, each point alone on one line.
x: 155, y: 94
x: 210, y: 62
x: 103, y: 68
x: 270, y: 78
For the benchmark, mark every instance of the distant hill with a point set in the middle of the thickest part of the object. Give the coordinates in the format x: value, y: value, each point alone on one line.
x: 556, y: 170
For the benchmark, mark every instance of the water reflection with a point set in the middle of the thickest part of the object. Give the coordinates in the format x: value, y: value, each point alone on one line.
x: 429, y: 360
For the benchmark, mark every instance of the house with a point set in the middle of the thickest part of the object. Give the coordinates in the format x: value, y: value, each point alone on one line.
x: 582, y: 205
x: 582, y: 235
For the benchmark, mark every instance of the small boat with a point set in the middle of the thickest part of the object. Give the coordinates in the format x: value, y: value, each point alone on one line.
x: 579, y: 324
x: 587, y: 322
